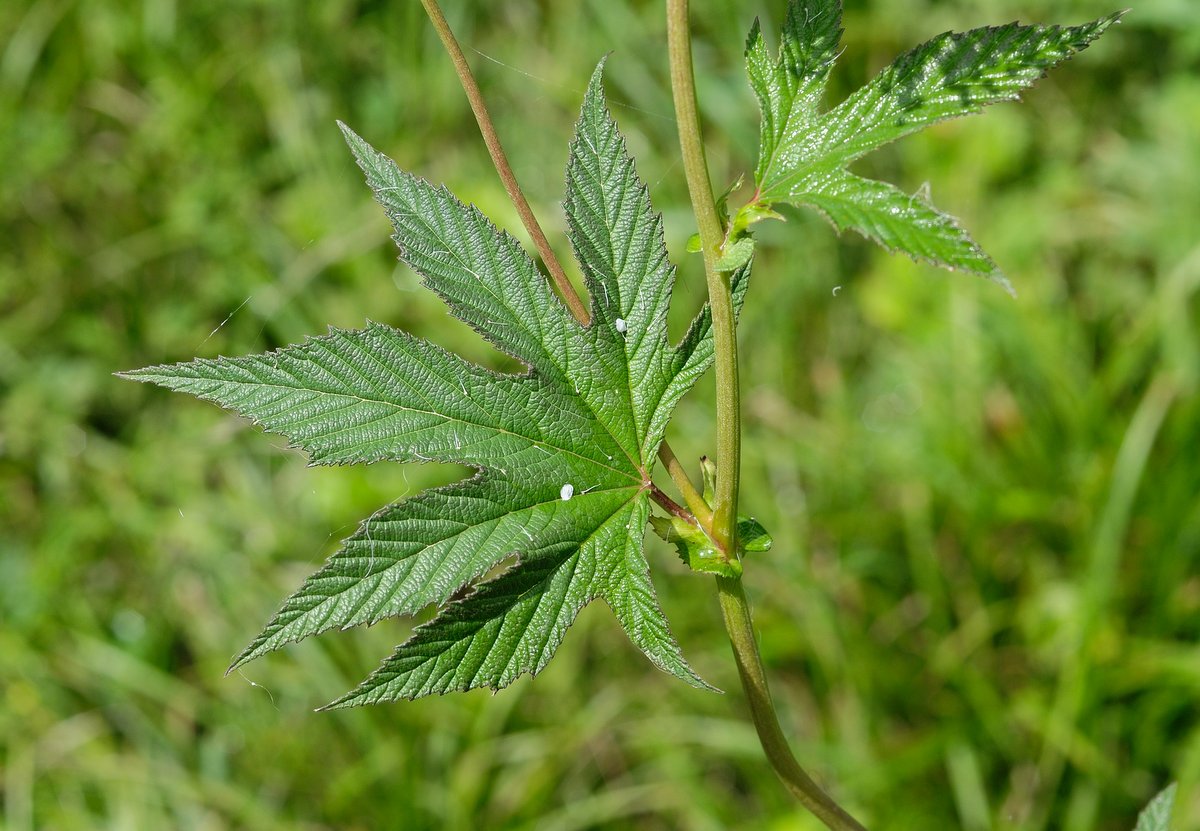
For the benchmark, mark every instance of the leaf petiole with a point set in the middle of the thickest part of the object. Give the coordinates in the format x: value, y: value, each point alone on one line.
x: 500, y: 161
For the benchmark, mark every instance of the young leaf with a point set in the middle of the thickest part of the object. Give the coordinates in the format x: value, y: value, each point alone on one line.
x: 803, y: 153
x: 696, y: 549
x: 699, y: 553
x: 1157, y: 815
x: 564, y: 452
x: 789, y: 87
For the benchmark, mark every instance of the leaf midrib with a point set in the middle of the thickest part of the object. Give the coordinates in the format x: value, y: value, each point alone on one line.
x: 363, y: 400
x: 574, y: 328
x: 641, y: 431
x: 425, y: 659
x: 453, y: 538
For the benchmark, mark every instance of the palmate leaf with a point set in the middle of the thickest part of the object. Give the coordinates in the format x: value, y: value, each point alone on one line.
x: 563, y: 453
x: 804, y: 152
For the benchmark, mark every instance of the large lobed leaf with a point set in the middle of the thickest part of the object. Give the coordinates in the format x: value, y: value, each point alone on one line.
x: 563, y: 452
x: 803, y: 152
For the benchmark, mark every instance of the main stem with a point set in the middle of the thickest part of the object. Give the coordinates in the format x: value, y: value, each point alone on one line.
x: 720, y: 295
x: 734, y: 607
x: 754, y: 683
x: 500, y: 161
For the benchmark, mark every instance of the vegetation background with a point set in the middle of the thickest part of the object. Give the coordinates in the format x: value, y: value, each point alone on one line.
x: 982, y: 607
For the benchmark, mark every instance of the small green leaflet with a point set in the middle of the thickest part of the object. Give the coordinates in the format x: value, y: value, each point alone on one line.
x: 696, y: 550
x: 804, y: 153
x: 563, y: 453
x: 700, y: 554
x: 1157, y: 815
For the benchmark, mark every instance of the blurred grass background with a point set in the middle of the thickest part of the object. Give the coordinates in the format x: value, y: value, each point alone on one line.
x: 982, y: 607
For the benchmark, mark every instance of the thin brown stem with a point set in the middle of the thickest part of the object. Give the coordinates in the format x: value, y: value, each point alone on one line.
x: 500, y: 160
x: 516, y: 195
x: 670, y: 505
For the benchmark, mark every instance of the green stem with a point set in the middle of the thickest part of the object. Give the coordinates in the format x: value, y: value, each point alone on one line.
x: 754, y: 682
x: 720, y: 295
x: 734, y: 607
x: 695, y: 502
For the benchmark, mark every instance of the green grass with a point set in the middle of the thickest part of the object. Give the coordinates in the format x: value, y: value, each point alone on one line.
x: 982, y: 605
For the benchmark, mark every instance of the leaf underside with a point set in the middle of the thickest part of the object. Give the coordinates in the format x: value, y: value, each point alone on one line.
x: 804, y: 152
x: 589, y: 414
x: 1157, y: 815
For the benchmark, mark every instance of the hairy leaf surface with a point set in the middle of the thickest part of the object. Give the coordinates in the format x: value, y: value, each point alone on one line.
x: 1157, y: 815
x: 564, y: 452
x: 804, y: 152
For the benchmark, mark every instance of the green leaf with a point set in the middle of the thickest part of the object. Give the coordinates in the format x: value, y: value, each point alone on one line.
x: 737, y: 254
x: 698, y: 552
x: 708, y: 475
x: 789, y: 87
x: 1157, y: 815
x: 752, y: 536
x: 896, y: 220
x: 563, y: 453
x: 696, y: 549
x: 803, y: 152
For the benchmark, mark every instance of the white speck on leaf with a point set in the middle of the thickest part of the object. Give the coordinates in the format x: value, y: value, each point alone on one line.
x: 836, y: 289
x: 568, y: 490
x: 621, y: 325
